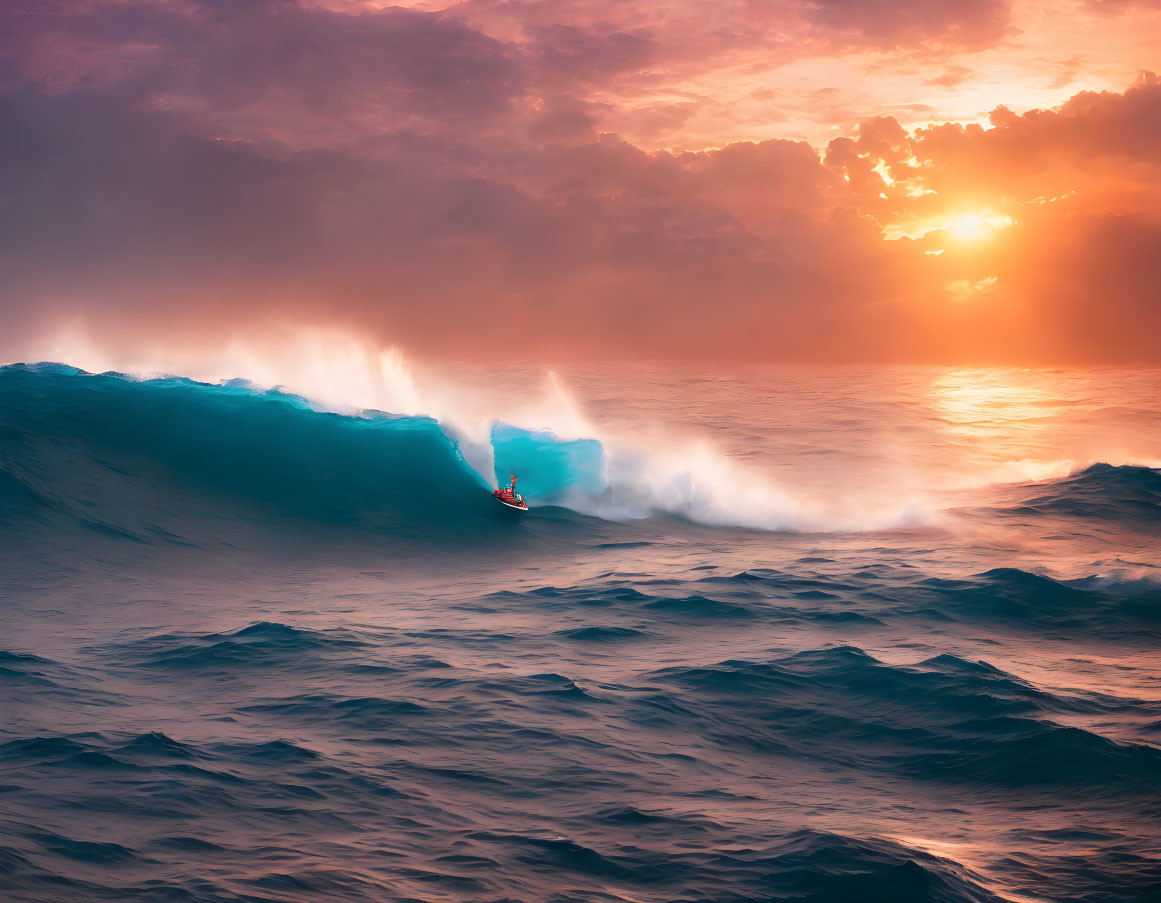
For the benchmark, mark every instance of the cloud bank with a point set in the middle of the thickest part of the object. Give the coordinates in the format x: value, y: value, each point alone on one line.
x: 453, y: 181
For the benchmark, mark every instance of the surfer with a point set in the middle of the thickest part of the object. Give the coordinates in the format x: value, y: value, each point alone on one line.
x: 507, y: 496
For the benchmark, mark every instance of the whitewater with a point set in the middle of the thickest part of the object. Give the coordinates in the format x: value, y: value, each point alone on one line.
x: 766, y: 633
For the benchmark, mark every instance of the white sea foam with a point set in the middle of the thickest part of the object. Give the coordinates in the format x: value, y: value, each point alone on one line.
x: 684, y: 474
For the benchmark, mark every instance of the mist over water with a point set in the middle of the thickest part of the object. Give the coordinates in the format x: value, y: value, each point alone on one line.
x: 766, y: 633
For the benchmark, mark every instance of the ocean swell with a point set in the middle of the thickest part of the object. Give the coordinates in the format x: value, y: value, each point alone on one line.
x: 141, y: 460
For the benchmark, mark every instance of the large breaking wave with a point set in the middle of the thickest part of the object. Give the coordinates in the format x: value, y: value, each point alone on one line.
x: 586, y: 709
x: 141, y: 458
x: 152, y: 460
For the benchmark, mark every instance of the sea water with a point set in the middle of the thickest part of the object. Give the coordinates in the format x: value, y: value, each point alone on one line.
x: 765, y: 633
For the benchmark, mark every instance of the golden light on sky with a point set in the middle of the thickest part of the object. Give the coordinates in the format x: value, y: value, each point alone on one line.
x: 967, y: 227
x: 975, y: 226
x: 672, y: 178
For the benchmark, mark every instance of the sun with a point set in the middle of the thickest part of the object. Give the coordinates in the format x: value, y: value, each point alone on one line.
x: 968, y: 227
x: 977, y: 226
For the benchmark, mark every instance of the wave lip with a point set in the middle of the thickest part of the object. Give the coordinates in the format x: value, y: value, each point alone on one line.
x: 264, y: 643
x: 601, y: 634
x: 942, y: 719
x: 1101, y: 492
x: 366, y: 712
x: 175, y: 462
x: 806, y: 864
x: 20, y: 668
x: 1029, y: 600
x: 134, y: 453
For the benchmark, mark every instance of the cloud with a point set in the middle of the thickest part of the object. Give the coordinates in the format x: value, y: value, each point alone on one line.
x: 118, y: 214
x: 965, y: 288
x: 1100, y: 149
x: 266, y: 67
x: 179, y: 172
x: 952, y: 77
x: 894, y: 23
x: 590, y: 55
x: 1121, y: 6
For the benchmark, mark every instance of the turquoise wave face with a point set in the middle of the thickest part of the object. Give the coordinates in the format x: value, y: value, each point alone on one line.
x: 143, y: 457
x: 177, y: 460
x: 250, y: 648
x: 549, y: 469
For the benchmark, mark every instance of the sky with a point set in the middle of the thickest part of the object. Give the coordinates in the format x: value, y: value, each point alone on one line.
x: 968, y: 182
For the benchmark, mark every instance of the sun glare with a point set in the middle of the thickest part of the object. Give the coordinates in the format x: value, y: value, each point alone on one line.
x: 975, y: 226
x: 968, y: 226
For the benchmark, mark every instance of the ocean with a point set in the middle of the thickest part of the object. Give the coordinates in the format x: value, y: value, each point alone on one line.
x: 767, y: 633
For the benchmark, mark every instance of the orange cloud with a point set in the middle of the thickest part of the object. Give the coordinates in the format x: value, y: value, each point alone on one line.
x: 433, y: 177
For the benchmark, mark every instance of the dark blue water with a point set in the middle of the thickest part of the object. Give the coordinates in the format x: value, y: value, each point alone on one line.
x: 253, y: 651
